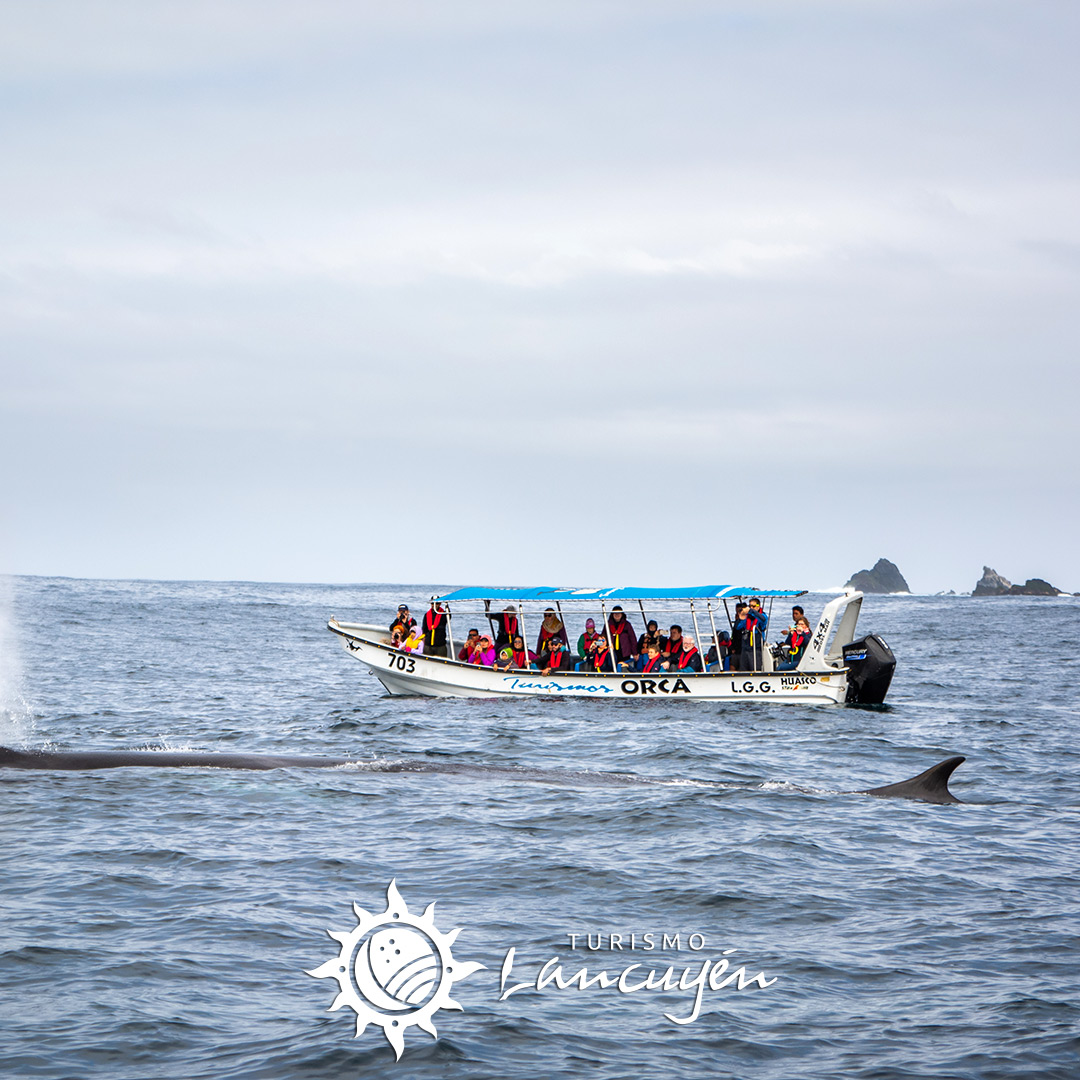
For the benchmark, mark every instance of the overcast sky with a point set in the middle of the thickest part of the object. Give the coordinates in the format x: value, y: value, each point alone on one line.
x: 540, y: 292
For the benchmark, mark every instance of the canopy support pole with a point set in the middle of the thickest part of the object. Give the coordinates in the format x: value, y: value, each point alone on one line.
x: 521, y: 628
x: 644, y: 619
x: 767, y: 663
x: 449, y: 633
x: 697, y: 632
x: 716, y: 641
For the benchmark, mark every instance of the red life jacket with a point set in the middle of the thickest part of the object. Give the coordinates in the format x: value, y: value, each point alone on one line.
x: 684, y: 657
x: 653, y: 663
x: 432, y: 620
x: 600, y: 657
x: 521, y: 659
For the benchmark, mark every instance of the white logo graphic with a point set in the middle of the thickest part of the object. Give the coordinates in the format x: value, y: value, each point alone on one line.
x: 395, y: 969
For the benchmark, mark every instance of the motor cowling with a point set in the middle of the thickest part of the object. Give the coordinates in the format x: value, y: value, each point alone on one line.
x: 870, y: 663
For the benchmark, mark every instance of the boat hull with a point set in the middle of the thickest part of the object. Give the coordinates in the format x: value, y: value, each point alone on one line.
x: 431, y: 676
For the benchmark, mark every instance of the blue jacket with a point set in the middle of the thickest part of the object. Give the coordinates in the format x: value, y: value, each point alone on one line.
x: 758, y: 622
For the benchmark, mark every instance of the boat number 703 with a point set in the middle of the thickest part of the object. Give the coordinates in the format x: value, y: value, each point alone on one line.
x: 402, y: 663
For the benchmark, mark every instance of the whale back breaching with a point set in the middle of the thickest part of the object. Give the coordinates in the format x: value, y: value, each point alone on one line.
x: 79, y: 760
x: 930, y: 786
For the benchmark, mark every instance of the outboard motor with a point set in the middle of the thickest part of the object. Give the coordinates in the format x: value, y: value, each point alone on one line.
x: 870, y: 663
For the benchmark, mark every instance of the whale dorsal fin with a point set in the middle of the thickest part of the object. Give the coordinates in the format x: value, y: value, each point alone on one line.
x: 930, y: 786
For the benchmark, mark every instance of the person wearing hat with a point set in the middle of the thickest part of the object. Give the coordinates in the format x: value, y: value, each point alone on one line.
x: 555, y: 657
x: 505, y: 661
x: 404, y: 620
x: 584, y: 643
x: 435, y: 620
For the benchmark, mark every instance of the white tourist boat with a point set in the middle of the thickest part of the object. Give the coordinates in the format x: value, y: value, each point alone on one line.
x: 835, y: 667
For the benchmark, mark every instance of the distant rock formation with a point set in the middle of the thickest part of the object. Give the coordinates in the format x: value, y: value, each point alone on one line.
x: 884, y: 578
x: 993, y: 584
x: 1034, y: 586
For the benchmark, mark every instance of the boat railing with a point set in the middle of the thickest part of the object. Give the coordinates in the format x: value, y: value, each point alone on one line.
x: 702, y: 611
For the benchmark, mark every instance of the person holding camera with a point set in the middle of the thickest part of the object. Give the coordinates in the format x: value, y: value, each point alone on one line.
x: 798, y: 639
x: 754, y: 625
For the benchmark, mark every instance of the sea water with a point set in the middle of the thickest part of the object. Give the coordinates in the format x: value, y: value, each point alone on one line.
x: 160, y: 922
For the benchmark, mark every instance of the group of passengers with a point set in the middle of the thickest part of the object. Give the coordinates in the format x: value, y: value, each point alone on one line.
x: 617, y: 649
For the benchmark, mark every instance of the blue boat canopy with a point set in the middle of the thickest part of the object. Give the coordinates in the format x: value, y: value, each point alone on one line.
x: 547, y: 594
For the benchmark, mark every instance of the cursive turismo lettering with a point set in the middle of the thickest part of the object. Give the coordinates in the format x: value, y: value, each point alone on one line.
x: 555, y: 687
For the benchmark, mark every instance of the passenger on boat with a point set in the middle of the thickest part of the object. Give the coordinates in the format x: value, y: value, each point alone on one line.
x: 397, y: 636
x: 466, y: 650
x: 505, y: 660
x: 435, y: 621
x: 623, y: 638
x: 796, y: 647
x: 754, y: 626
x: 522, y: 656
x: 652, y: 633
x: 687, y: 659
x: 584, y: 643
x: 673, y: 644
x: 506, y: 624
x: 797, y: 613
x: 556, y: 657
x: 653, y: 659
x: 719, y: 655
x: 484, y: 653
x: 413, y: 641
x: 404, y: 619
x: 552, y: 626
x: 599, y: 658
x: 737, y: 632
